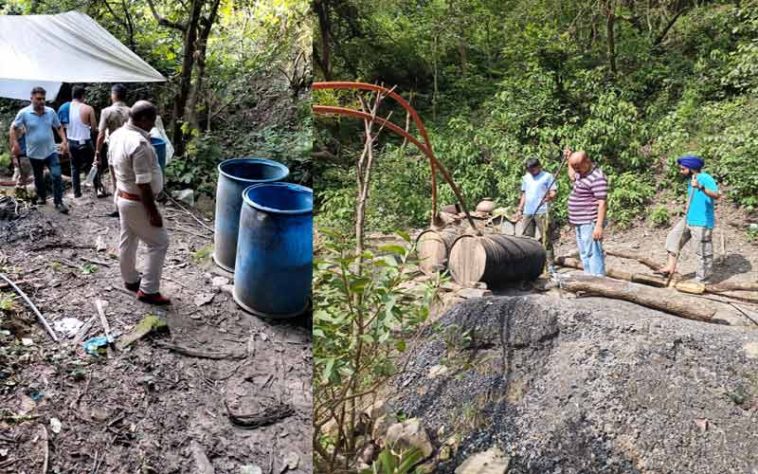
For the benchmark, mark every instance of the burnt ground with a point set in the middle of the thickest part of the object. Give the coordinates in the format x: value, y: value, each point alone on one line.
x: 584, y: 386
x: 147, y: 408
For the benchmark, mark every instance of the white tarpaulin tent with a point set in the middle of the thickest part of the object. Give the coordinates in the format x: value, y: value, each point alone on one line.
x: 48, y: 50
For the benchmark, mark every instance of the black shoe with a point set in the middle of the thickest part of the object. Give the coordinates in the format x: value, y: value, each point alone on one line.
x: 114, y: 214
x: 40, y: 201
x: 133, y: 286
x: 77, y: 195
x: 62, y: 208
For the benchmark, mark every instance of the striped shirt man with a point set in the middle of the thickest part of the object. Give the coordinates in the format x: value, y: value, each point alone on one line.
x: 587, y: 191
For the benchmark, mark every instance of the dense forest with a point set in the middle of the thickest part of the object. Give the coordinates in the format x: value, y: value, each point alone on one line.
x: 634, y: 83
x: 238, y: 73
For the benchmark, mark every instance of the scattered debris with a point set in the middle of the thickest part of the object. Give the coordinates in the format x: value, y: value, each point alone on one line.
x: 68, y: 326
x: 148, y: 324
x: 26, y: 342
x: 55, y: 425
x: 92, y: 346
x: 202, y: 354
x: 203, y: 298
x: 269, y: 411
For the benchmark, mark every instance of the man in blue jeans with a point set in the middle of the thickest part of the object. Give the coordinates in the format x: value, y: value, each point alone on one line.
x: 39, y: 122
x: 587, y: 206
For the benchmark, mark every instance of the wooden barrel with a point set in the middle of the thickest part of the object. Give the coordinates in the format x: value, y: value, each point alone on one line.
x: 433, y: 248
x: 495, y: 259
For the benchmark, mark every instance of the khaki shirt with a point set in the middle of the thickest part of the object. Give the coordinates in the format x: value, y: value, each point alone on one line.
x: 113, y: 117
x: 134, y: 160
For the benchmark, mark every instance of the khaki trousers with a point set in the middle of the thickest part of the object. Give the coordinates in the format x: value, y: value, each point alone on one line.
x: 135, y: 227
x: 703, y: 239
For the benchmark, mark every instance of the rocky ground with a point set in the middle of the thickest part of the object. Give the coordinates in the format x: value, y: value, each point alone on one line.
x: 543, y: 385
x: 188, y: 399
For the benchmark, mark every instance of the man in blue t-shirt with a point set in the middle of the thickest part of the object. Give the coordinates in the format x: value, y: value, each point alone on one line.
x: 538, y: 188
x: 39, y: 122
x: 699, y: 222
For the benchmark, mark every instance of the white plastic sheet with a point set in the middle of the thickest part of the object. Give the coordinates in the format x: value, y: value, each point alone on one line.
x: 47, y: 50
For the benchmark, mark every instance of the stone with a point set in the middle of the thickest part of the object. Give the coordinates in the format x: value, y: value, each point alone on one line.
x: 376, y: 410
x: 409, y: 434
x: 751, y: 349
x: 381, y: 425
x: 187, y: 196
x: 203, y: 298
x: 437, y: 371
x: 492, y: 461
x: 219, y: 281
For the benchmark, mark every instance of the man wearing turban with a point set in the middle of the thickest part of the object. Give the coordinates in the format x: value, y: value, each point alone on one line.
x: 699, y: 222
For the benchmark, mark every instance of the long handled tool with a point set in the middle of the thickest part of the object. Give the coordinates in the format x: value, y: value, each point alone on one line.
x: 681, y: 238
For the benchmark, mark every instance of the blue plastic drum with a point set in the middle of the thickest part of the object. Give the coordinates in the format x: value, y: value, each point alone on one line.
x: 274, y: 264
x: 160, y: 149
x: 233, y: 177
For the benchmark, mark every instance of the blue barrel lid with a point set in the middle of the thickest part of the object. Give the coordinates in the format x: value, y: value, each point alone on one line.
x: 278, y: 170
x: 279, y: 198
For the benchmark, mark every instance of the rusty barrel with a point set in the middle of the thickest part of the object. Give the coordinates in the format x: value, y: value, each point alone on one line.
x: 433, y: 249
x: 495, y: 259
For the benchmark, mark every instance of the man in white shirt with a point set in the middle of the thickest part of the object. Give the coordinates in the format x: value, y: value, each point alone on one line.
x: 139, y: 179
x: 538, y: 188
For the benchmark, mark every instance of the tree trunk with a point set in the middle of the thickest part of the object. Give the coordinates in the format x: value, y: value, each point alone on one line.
x: 610, y: 22
x: 185, y: 80
x: 662, y: 299
x: 323, y: 59
x: 202, y: 46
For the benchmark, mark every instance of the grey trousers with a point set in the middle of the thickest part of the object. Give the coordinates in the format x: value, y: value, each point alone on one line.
x: 703, y: 239
x: 135, y: 227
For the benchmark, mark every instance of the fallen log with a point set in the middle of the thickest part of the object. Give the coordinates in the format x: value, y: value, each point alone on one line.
x: 692, y: 287
x: 662, y: 299
x: 648, y: 262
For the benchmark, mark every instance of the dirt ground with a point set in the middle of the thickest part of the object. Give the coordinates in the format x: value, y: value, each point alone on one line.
x: 735, y: 256
x: 172, y: 402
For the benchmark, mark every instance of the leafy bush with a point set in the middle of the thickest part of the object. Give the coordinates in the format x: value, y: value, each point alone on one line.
x: 364, y: 315
x: 660, y: 216
x: 629, y: 194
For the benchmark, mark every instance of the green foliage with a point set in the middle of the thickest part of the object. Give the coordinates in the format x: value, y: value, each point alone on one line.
x: 202, y: 254
x: 660, y: 216
x: 629, y: 195
x: 497, y: 83
x: 365, y: 311
x: 389, y: 462
x: 7, y: 302
x: 89, y: 268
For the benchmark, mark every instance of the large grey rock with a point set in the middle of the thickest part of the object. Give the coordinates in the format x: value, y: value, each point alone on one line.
x: 586, y: 385
x: 409, y: 434
x: 492, y: 461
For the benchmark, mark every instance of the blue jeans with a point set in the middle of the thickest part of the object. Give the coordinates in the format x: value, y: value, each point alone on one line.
x: 590, y: 250
x: 54, y: 166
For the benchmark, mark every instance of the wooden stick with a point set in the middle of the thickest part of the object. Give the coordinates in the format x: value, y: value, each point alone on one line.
x: 202, y: 354
x: 190, y: 213
x: 98, y: 262
x: 681, y: 238
x: 46, y: 448
x: 41, y: 318
x: 652, y: 264
x: 99, y: 305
